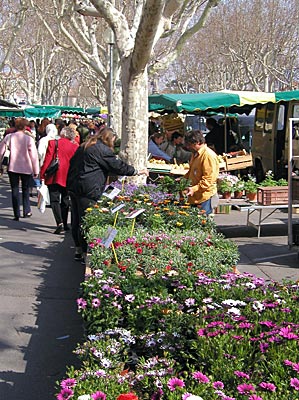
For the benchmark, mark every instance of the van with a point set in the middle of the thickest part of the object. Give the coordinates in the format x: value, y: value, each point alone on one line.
x: 270, y: 138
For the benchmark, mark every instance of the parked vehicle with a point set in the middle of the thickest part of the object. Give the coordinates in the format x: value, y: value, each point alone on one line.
x: 270, y: 138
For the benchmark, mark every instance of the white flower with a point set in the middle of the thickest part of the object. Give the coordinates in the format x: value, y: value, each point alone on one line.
x: 234, y: 310
x: 193, y: 397
x: 258, y: 306
x: 84, y: 397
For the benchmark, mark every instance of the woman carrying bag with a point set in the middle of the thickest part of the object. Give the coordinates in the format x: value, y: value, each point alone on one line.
x: 23, y: 163
x: 64, y: 149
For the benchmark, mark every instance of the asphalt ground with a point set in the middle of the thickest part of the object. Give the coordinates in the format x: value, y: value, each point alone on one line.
x: 39, y: 326
x: 40, y: 282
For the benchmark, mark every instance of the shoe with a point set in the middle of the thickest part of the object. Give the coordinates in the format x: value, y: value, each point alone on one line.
x: 16, y: 219
x: 78, y: 256
x: 28, y: 215
x: 66, y: 228
x: 58, y: 230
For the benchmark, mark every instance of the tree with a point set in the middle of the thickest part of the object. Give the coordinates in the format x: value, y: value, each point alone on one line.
x: 136, y: 35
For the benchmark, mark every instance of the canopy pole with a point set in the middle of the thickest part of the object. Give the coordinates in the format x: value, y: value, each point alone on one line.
x: 225, y: 132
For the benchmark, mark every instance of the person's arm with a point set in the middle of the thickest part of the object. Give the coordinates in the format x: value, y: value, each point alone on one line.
x: 157, y: 152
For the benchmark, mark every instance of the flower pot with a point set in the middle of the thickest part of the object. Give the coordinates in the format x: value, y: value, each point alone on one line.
x: 238, y: 194
x: 251, y: 196
x: 226, y: 195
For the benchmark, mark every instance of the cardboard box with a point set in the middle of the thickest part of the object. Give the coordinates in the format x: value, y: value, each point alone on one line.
x: 272, y: 195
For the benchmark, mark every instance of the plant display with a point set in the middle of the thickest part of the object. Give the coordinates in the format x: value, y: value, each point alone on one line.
x: 186, y: 336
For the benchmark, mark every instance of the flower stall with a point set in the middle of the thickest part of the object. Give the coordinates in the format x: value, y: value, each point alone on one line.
x: 166, y: 318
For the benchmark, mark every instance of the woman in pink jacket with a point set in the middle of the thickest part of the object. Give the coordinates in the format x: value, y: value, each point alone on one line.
x: 23, y: 163
x: 59, y: 197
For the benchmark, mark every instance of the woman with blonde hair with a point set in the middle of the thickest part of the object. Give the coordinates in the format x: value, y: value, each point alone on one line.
x: 89, y: 169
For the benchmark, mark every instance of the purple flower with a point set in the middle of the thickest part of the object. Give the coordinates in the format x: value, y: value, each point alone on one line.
x: 264, y: 347
x: 81, y: 303
x: 98, y: 396
x: 218, y: 385
x: 268, y: 386
x: 130, y: 298
x: 241, y: 374
x: 201, y: 332
x: 173, y: 383
x: 245, y: 388
x: 288, y: 362
x: 201, y: 377
x: 157, y: 395
x: 295, y: 383
x: 287, y: 333
x: 295, y: 367
x: 255, y: 397
x: 189, y: 302
x: 96, y: 303
x: 65, y: 394
x: 68, y: 383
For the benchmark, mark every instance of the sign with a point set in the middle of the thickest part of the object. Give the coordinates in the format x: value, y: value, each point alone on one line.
x: 117, y: 208
x: 110, y: 235
x: 135, y: 213
x: 111, y: 192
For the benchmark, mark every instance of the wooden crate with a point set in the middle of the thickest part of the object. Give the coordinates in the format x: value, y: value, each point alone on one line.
x: 272, y: 195
x: 223, y: 209
x: 239, y: 162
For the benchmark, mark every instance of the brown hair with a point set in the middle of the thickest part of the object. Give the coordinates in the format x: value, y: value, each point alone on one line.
x: 193, y: 137
x: 105, y: 135
x: 20, y: 124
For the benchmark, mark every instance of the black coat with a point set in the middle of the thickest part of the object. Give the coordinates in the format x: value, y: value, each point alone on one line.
x: 90, y: 168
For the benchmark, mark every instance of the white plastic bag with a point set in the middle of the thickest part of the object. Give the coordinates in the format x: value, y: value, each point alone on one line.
x: 43, y: 198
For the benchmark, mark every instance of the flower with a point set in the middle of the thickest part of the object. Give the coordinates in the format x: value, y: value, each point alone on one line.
x: 173, y: 383
x: 295, y: 383
x: 98, y: 396
x: 127, y: 396
x: 245, y: 388
x: 200, y: 377
x: 268, y: 386
x: 65, y: 394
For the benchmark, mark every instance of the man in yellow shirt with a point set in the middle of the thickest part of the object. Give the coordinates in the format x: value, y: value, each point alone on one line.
x: 203, y: 172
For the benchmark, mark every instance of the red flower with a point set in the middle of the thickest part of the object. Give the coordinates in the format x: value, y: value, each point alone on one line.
x: 127, y: 396
x: 139, y: 250
x: 122, y: 267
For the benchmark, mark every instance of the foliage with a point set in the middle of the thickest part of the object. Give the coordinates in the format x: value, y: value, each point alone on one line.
x: 270, y: 181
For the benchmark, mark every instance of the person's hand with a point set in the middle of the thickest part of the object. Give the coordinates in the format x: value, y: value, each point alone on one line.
x: 189, y: 191
x: 143, y: 171
x: 35, y: 176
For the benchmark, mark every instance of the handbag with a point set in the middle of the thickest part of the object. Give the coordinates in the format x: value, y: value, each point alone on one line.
x: 53, y: 167
x: 6, y: 156
x: 43, y: 198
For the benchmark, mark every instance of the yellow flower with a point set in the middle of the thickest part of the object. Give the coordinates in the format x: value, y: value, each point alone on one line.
x: 157, y: 215
x: 179, y: 223
x: 88, y: 209
x: 166, y: 209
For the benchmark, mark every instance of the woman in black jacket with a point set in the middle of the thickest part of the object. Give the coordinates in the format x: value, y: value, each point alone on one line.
x: 87, y: 176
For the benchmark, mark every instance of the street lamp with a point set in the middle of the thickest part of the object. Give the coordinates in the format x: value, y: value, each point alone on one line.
x: 109, y: 36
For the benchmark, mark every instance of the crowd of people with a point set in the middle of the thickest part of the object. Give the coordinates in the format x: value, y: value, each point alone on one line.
x: 86, y: 157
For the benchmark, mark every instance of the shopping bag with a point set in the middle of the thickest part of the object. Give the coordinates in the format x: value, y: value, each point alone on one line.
x: 43, y: 198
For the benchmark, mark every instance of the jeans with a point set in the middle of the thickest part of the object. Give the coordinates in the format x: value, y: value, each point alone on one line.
x: 79, y: 205
x: 206, y: 206
x: 14, y: 179
x: 60, y: 203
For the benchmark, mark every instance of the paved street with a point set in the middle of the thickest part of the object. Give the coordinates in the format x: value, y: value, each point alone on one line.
x: 40, y: 280
x: 39, y: 284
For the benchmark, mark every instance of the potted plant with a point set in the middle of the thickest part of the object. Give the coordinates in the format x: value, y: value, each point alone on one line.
x: 239, y: 189
x: 225, y: 184
x: 250, y: 187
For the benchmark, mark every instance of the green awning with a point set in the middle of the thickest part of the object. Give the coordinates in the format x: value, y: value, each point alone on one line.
x: 93, y: 110
x: 45, y: 112
x: 63, y: 109
x: 216, y: 101
x: 11, y: 112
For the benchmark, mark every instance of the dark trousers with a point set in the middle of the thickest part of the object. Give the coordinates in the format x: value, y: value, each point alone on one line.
x: 60, y: 203
x: 14, y: 179
x: 79, y: 205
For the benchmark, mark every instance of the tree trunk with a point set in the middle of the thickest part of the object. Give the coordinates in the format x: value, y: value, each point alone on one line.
x: 134, y: 144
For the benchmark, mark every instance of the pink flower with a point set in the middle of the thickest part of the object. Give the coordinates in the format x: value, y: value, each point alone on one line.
x: 96, y: 303
x: 98, y: 396
x: 268, y: 386
x: 201, y: 377
x: 295, y: 383
x: 173, y: 383
x: 81, y: 303
x: 255, y: 397
x: 68, y: 383
x: 218, y: 385
x: 245, y: 388
x: 65, y: 394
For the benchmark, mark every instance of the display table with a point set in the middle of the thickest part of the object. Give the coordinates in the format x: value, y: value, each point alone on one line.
x: 264, y: 212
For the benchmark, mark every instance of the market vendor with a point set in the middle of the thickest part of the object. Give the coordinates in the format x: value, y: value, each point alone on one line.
x: 155, y: 141
x: 174, y: 148
x: 203, y: 172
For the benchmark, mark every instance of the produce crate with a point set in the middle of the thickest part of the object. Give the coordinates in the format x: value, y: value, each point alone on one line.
x: 239, y: 162
x: 272, y: 195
